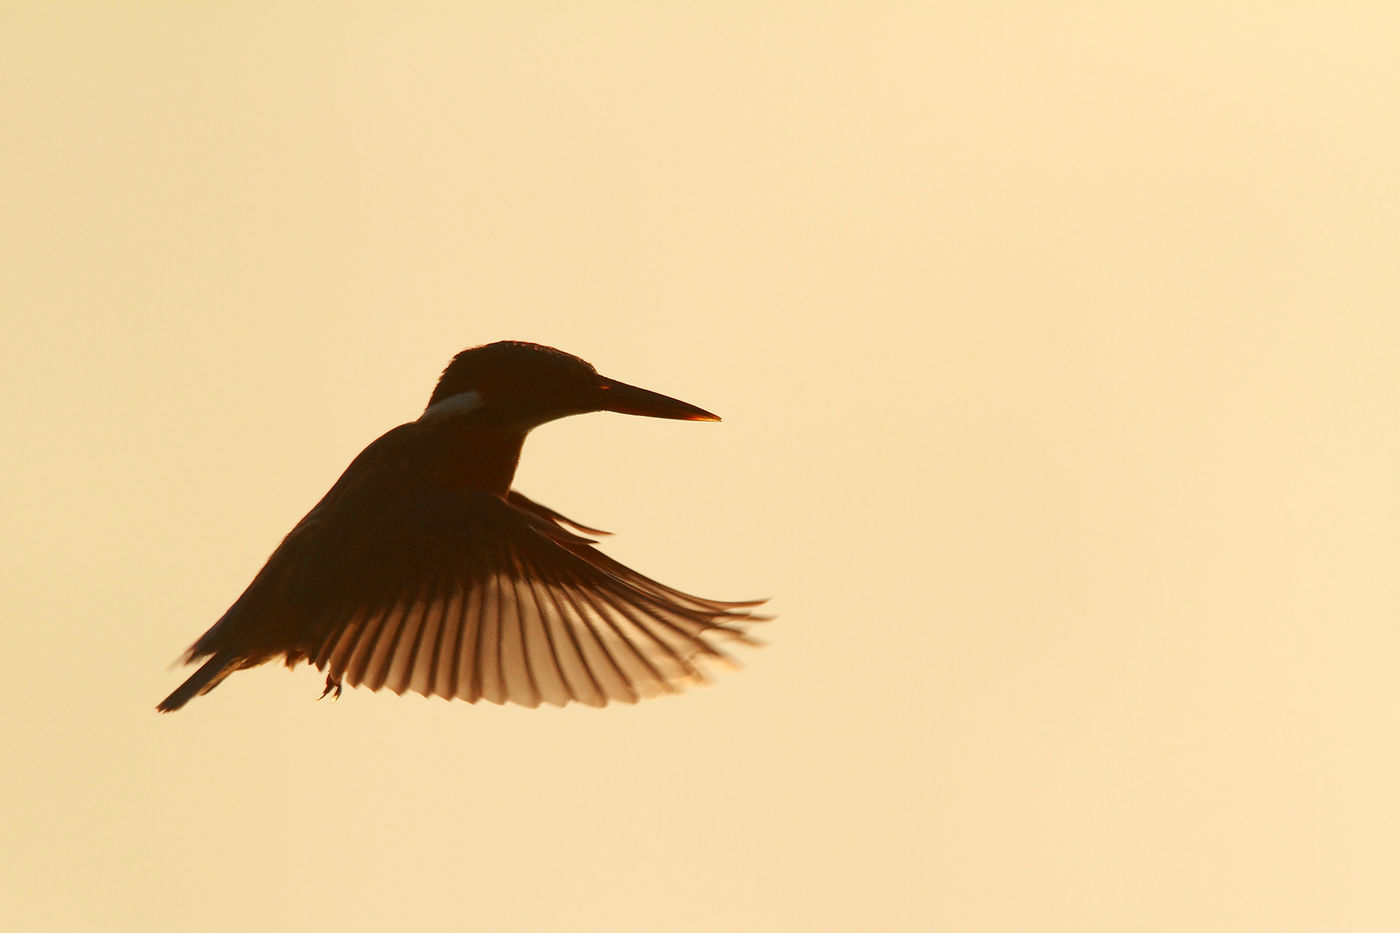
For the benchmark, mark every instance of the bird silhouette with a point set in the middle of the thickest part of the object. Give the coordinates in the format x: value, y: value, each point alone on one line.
x: 421, y: 569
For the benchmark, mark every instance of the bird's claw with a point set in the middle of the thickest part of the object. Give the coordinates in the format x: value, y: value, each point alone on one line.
x: 332, y: 687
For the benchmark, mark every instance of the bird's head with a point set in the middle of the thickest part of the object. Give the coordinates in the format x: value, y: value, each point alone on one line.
x: 528, y: 384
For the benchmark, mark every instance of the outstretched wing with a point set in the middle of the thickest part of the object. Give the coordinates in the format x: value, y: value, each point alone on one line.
x: 469, y: 596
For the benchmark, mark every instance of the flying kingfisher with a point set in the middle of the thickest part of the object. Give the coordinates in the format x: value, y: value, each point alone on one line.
x: 423, y: 570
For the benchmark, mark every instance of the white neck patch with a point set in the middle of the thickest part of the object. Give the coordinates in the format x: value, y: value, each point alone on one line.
x: 462, y: 403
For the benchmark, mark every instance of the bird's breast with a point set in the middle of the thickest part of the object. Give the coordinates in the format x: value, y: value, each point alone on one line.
x: 482, y: 460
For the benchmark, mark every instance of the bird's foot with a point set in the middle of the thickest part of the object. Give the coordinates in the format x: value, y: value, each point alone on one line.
x: 332, y: 687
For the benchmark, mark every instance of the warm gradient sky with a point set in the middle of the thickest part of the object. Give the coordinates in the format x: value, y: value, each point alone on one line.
x: 1058, y: 354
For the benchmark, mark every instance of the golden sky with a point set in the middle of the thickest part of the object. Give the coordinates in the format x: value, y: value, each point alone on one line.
x: 1059, y: 357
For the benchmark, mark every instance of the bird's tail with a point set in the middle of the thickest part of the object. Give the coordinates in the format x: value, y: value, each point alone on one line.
x: 209, y: 676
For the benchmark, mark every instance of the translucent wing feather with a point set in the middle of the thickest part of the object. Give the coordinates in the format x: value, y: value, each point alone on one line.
x: 472, y: 597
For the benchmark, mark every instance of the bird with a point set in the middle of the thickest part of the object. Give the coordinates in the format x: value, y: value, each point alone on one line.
x: 423, y: 570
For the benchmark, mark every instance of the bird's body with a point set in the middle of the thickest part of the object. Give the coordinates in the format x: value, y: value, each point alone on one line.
x: 421, y: 569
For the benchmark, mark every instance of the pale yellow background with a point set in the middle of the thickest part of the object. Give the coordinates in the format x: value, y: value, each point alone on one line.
x: 1058, y: 357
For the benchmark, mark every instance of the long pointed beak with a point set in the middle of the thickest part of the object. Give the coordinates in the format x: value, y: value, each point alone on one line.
x: 630, y: 400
